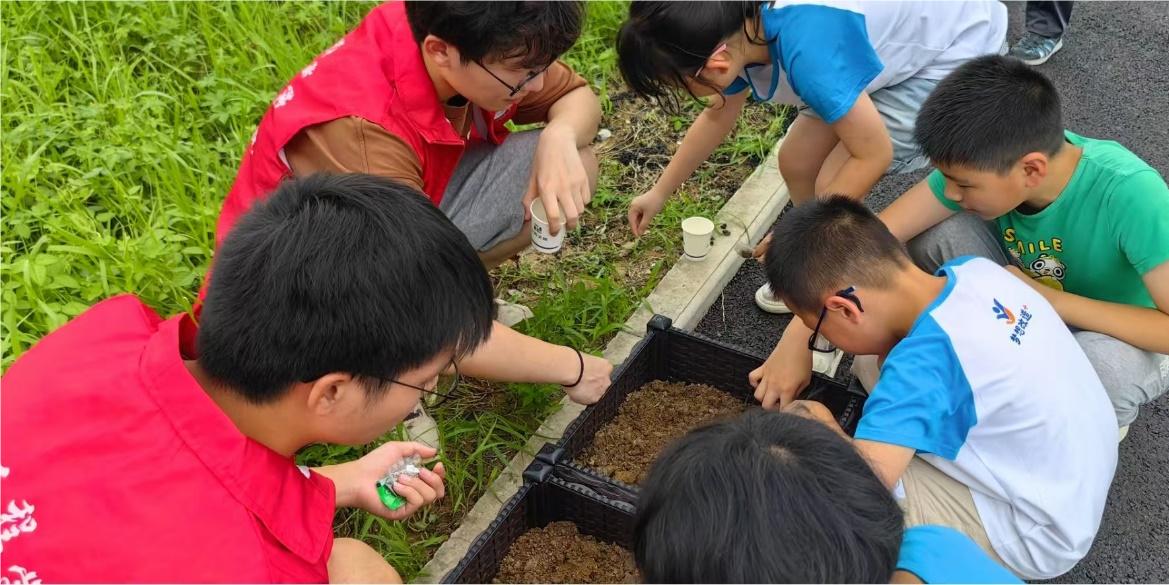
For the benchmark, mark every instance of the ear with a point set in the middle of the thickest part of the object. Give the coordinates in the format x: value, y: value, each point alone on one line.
x: 327, y: 393
x: 845, y: 307
x: 718, y: 64
x: 440, y: 52
x: 1034, y: 165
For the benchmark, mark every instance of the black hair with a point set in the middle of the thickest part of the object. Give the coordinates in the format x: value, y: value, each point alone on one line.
x: 662, y: 44
x: 989, y: 113
x: 539, y: 32
x: 340, y: 273
x: 765, y: 498
x: 827, y: 244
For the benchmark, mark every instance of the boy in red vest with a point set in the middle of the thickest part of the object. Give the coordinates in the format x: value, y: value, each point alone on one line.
x: 420, y: 92
x: 142, y: 449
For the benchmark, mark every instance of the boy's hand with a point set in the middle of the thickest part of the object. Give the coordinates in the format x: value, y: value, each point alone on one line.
x: 760, y: 253
x: 812, y: 410
x: 781, y: 378
x: 594, y: 383
x: 643, y: 209
x: 356, y: 481
x: 559, y: 179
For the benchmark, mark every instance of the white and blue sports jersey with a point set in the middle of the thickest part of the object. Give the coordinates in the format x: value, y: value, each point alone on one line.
x: 990, y: 387
x: 937, y: 554
x: 829, y: 51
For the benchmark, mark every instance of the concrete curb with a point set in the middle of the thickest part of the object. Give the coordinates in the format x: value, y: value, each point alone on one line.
x: 685, y: 294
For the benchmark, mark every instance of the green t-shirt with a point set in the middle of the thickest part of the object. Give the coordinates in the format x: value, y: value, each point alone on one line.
x: 1107, y: 229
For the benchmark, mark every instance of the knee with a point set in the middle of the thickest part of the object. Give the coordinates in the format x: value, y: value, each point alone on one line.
x: 799, y: 172
x: 353, y: 561
x: 960, y: 235
x: 507, y: 249
x: 1129, y: 375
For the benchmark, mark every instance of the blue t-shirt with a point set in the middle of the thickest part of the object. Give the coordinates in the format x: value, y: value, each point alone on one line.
x: 937, y: 554
x: 825, y: 53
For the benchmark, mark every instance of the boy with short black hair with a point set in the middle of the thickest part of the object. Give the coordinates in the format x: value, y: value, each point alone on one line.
x: 1086, y: 219
x: 421, y: 92
x: 1016, y: 443
x: 775, y: 498
x: 161, y: 450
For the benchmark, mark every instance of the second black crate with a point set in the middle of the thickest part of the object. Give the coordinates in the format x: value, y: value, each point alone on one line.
x: 673, y: 355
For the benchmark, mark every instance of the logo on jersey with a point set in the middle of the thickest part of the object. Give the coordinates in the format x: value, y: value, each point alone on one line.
x: 1001, y: 312
x: 1018, y: 324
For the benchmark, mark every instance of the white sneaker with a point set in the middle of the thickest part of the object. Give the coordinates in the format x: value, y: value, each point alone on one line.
x: 767, y: 301
x: 827, y: 363
x: 422, y: 428
x: 511, y: 313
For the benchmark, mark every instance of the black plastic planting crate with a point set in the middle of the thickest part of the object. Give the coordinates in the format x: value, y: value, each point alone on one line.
x: 557, y: 489
x: 674, y: 355
x: 550, y: 493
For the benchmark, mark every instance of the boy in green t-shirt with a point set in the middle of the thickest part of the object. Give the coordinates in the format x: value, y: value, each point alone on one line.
x: 1086, y: 220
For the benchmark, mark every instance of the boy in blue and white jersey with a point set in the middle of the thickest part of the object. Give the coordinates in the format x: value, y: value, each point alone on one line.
x: 987, y: 416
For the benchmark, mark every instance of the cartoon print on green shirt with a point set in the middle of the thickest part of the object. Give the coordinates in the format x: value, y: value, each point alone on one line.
x: 1037, y: 258
x: 1048, y: 270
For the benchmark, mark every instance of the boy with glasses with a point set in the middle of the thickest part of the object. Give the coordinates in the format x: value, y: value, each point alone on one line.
x: 420, y: 92
x: 987, y: 416
x: 162, y: 450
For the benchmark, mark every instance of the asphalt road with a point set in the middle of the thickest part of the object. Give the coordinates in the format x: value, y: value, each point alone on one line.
x: 1113, y: 77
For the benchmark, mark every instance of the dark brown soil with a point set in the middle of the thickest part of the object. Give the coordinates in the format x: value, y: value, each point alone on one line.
x: 649, y: 419
x: 558, y: 553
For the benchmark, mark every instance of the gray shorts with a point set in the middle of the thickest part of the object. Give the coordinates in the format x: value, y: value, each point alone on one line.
x: 485, y: 193
x: 1131, y: 376
x: 898, y: 106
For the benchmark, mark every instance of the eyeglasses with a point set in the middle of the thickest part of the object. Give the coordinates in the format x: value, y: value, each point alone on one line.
x: 720, y: 49
x: 439, y: 397
x: 827, y: 347
x: 515, y: 89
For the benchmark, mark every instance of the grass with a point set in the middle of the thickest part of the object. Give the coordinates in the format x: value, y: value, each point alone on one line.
x: 122, y: 127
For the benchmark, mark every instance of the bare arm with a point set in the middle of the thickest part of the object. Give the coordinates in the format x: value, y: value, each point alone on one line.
x: 914, y: 212
x: 1141, y: 327
x: 576, y: 115
x: 706, y: 133
x: 510, y: 356
x: 888, y: 461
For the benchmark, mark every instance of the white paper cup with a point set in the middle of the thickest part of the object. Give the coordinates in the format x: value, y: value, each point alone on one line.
x: 696, y: 233
x: 542, y: 237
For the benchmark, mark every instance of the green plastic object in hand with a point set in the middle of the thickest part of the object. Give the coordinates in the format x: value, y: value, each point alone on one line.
x: 408, y: 466
x: 389, y: 498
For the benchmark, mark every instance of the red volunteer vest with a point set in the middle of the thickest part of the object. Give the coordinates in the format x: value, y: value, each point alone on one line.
x: 375, y: 72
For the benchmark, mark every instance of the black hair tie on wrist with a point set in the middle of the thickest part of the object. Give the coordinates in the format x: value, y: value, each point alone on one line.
x: 581, y: 376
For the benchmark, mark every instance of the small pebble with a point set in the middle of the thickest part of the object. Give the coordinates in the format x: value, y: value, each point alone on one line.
x: 604, y: 134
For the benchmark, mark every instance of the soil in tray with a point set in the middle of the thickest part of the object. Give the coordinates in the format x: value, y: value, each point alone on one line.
x: 649, y: 419
x: 558, y: 553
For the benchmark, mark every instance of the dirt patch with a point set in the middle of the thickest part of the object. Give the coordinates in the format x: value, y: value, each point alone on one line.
x: 643, y: 141
x: 649, y: 419
x: 558, y: 553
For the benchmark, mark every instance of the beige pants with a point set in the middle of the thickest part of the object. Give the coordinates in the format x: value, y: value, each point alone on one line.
x: 932, y: 497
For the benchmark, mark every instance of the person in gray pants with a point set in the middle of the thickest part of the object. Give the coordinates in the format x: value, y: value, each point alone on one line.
x: 1081, y: 220
x: 1046, y: 24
